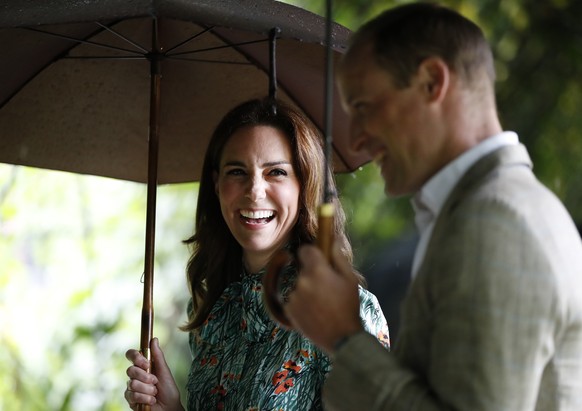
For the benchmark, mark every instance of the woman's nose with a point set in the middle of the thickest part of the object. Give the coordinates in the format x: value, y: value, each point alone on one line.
x: 256, y: 189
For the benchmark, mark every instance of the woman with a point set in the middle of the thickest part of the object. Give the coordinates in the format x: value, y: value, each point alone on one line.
x: 259, y: 191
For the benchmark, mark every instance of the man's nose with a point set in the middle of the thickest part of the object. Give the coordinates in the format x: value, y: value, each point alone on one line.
x: 358, y: 136
x: 256, y: 189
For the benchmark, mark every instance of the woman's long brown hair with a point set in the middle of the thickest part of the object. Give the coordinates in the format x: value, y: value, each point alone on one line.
x: 216, y: 259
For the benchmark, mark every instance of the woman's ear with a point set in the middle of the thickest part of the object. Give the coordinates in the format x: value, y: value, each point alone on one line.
x: 215, y: 179
x: 434, y: 75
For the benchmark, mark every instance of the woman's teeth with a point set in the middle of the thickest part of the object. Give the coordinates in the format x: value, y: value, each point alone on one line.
x: 257, y: 217
x: 257, y: 214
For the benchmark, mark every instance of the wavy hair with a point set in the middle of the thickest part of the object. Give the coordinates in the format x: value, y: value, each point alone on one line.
x: 216, y: 259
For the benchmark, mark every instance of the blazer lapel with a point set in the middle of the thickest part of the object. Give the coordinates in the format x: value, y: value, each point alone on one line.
x: 483, y: 169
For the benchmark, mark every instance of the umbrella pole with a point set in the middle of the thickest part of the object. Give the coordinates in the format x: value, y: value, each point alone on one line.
x: 325, y: 234
x: 326, y: 209
x: 147, y: 314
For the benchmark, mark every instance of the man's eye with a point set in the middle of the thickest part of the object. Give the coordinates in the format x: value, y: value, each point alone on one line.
x: 360, y: 107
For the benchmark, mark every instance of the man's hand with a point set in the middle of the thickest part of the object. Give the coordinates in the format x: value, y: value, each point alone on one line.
x: 325, y: 304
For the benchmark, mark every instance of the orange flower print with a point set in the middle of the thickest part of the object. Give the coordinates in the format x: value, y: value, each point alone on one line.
x: 212, y: 361
x: 279, y: 376
x: 304, y: 353
x: 230, y: 376
x: 292, y: 365
x: 219, y: 389
x: 384, y: 338
x: 282, y: 388
x: 283, y: 380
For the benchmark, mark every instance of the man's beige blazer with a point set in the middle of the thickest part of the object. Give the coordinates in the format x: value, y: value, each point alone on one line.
x: 493, y: 320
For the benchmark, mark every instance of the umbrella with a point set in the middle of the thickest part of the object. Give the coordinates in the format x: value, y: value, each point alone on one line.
x: 61, y: 109
x: 131, y: 89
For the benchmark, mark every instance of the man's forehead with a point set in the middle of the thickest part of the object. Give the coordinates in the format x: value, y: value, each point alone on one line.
x: 357, y: 60
x: 354, y: 66
x: 358, y: 53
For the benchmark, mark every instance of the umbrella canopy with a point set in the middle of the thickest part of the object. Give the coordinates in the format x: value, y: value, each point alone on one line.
x: 75, y: 79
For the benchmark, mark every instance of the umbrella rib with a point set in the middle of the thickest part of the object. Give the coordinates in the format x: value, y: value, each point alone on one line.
x: 105, y: 57
x: 189, y: 39
x: 121, y: 36
x: 219, y: 47
x: 245, y: 63
x: 91, y: 43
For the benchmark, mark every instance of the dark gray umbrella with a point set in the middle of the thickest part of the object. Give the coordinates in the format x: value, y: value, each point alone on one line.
x: 61, y: 110
x: 132, y: 89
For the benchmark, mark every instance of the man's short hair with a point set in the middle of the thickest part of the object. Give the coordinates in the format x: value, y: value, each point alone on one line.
x: 404, y: 36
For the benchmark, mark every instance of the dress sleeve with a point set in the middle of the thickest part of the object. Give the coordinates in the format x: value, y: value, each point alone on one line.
x: 373, y: 318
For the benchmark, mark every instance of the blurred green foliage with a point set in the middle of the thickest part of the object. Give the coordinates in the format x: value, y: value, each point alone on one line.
x: 71, y: 247
x: 72, y: 252
x: 538, y: 52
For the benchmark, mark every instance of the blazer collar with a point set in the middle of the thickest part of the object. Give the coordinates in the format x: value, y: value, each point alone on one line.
x: 513, y: 155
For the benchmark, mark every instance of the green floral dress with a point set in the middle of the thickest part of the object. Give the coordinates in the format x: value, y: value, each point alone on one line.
x: 243, y: 361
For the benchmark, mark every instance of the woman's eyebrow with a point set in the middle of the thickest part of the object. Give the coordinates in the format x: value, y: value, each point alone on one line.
x: 235, y: 163
x: 276, y: 163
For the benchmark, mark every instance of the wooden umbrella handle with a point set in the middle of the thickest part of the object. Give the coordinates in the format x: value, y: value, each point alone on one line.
x: 325, y: 227
x: 146, y: 335
x: 272, y: 281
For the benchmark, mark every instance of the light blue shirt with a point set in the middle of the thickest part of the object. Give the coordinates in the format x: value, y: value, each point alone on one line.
x: 429, y: 200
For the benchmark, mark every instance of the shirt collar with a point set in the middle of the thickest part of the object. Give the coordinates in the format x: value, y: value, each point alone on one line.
x: 428, y: 201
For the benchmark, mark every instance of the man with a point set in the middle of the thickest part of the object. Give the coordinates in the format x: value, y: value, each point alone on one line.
x: 493, y: 316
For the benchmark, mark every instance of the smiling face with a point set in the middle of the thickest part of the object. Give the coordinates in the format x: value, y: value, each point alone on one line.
x: 391, y: 123
x: 258, y: 192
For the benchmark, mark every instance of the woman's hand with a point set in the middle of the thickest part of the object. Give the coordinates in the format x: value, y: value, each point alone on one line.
x: 157, y: 389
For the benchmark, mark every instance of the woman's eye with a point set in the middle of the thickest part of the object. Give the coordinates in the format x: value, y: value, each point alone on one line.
x: 235, y: 172
x: 278, y: 172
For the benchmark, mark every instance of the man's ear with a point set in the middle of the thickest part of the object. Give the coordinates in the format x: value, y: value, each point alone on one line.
x: 434, y: 76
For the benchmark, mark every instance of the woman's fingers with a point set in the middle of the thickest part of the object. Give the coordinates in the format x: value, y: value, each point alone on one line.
x: 134, y: 394
x: 135, y: 385
x: 141, y: 385
x: 141, y: 388
x: 137, y: 359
